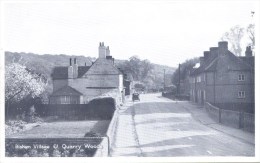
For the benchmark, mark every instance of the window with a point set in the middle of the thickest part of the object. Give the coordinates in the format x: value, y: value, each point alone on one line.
x: 198, y: 79
x: 241, y: 94
x: 65, y: 99
x: 241, y: 77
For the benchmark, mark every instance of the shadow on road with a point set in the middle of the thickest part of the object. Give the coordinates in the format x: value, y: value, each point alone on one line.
x: 157, y: 107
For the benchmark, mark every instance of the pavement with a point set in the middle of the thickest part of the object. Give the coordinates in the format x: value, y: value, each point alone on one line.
x: 157, y: 126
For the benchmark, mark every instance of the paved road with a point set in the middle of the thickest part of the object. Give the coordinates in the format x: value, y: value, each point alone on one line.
x: 157, y: 126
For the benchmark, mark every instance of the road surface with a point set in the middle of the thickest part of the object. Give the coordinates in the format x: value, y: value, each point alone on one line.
x: 157, y: 126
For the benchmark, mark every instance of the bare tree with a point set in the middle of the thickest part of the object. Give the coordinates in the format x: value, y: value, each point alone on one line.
x: 234, y: 37
x: 251, y: 35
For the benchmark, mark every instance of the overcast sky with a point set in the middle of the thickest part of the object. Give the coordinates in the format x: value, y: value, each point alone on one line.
x: 165, y: 32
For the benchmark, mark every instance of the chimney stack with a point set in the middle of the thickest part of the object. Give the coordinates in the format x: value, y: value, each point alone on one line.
x: 206, y: 55
x: 75, y: 68
x: 70, y: 70
x: 202, y: 61
x: 70, y: 61
x: 213, y: 51
x: 223, y: 45
x: 223, y: 48
x: 248, y: 51
x: 102, y: 50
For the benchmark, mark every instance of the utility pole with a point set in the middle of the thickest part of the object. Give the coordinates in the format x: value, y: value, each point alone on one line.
x: 163, y: 79
x: 179, y: 84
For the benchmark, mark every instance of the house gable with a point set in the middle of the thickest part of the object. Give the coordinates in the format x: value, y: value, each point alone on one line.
x: 103, y: 66
x: 66, y: 91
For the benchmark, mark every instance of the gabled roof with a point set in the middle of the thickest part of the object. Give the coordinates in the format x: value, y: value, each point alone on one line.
x: 66, y: 91
x: 201, y: 68
x: 103, y: 66
x: 82, y: 70
x: 230, y: 62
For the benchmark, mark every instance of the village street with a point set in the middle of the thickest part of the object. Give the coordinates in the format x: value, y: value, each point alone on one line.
x: 157, y: 126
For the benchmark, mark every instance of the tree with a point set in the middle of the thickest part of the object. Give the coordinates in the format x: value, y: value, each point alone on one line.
x: 20, y: 83
x: 234, y: 37
x: 146, y: 68
x: 186, y: 67
x: 139, y: 69
x: 251, y: 35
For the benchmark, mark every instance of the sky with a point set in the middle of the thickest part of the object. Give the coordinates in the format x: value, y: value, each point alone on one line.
x: 164, y: 32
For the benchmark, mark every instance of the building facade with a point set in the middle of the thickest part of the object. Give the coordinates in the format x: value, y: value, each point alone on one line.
x: 76, y: 84
x: 223, y: 79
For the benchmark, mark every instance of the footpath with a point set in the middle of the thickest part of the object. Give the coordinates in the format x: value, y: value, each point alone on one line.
x: 126, y: 141
x: 200, y: 114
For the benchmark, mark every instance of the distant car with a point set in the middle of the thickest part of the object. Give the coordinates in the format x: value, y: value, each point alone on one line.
x: 135, y: 96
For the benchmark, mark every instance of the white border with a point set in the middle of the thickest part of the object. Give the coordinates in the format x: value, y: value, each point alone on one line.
x: 127, y: 159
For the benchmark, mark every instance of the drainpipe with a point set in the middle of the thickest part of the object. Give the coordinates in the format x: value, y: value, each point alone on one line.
x: 219, y: 111
x: 196, y: 94
x: 214, y: 87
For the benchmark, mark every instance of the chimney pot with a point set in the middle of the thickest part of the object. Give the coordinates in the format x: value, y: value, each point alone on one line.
x: 70, y: 61
x: 75, y: 60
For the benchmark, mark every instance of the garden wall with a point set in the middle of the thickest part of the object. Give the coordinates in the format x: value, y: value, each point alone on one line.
x: 243, y: 120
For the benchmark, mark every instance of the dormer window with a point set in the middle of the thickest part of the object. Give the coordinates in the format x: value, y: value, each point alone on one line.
x: 241, y: 77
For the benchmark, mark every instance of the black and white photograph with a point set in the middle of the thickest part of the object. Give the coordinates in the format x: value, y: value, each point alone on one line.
x: 129, y: 80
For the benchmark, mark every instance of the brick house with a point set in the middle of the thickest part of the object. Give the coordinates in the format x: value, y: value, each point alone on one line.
x: 223, y: 79
x: 74, y: 84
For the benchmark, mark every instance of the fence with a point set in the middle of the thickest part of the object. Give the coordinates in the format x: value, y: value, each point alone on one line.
x: 96, y: 109
x: 237, y: 119
x: 243, y: 107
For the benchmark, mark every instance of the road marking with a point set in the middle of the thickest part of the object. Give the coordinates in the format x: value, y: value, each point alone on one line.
x: 209, y: 152
x: 190, y: 138
x: 178, y: 130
